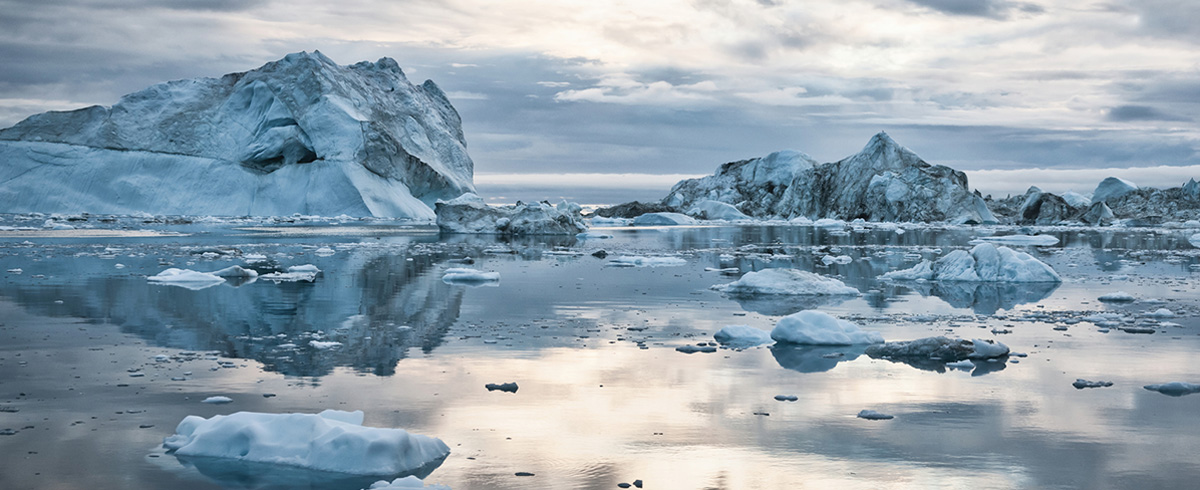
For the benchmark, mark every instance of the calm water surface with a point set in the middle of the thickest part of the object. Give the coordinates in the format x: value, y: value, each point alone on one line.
x: 604, y: 397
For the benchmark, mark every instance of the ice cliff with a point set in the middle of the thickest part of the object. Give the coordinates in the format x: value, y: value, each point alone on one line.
x: 883, y: 182
x: 298, y: 135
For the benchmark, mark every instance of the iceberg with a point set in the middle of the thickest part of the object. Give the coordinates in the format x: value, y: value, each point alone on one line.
x: 1039, y: 240
x: 984, y: 263
x: 406, y: 483
x: 940, y: 349
x: 663, y: 219
x: 818, y: 328
x: 1112, y: 188
x: 462, y: 275
x: 713, y: 210
x: 298, y: 135
x: 469, y: 214
x: 780, y: 281
x: 742, y: 336
x: 1175, y: 388
x: 186, y: 278
x: 332, y: 441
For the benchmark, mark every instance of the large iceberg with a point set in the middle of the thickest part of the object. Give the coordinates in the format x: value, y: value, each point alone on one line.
x: 883, y: 182
x: 984, y: 263
x: 332, y: 441
x: 298, y: 135
x: 469, y: 214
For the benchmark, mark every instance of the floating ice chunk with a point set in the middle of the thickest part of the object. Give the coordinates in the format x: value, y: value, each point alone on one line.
x: 1117, y: 297
x: 323, y: 345
x: 987, y: 349
x: 235, y: 271
x: 186, y: 278
x: 964, y: 364
x: 252, y: 258
x: 939, y: 348
x: 742, y: 336
x: 1081, y: 383
x: 406, y: 483
x: 873, y: 415
x: 463, y: 275
x: 647, y: 261
x: 330, y: 441
x: 510, y: 387
x: 602, y: 221
x: 295, y: 273
x: 1175, y: 388
x: 1161, y: 313
x: 787, y: 398
x: 709, y: 209
x: 723, y: 270
x: 663, y: 219
x: 841, y: 259
x: 217, y: 400
x: 818, y: 328
x: 57, y: 225
x: 786, y: 281
x: 15, y: 271
x: 800, y: 221
x: 593, y: 235
x: 984, y: 263
x: 324, y: 251
x: 1040, y: 240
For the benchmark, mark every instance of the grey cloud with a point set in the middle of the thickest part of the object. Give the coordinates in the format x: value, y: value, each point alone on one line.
x: 1140, y: 113
x: 992, y: 9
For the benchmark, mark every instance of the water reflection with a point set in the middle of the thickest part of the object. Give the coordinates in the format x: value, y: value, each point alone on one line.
x: 813, y: 359
x: 985, y: 298
x: 237, y: 474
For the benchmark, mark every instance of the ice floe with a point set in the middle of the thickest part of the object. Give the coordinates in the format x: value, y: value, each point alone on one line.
x: 647, y: 261
x: 779, y: 281
x: 663, y: 219
x: 984, y: 263
x: 873, y: 415
x: 186, y: 278
x: 1117, y: 297
x: 406, y: 483
x: 742, y: 336
x: 463, y: 275
x: 819, y: 328
x: 1041, y: 240
x: 332, y: 441
x: 1175, y: 388
x: 295, y: 273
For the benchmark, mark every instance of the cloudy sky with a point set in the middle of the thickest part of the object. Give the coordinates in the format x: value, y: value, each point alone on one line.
x: 611, y: 100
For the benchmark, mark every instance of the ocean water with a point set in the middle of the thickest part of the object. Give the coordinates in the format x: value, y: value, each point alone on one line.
x: 604, y: 397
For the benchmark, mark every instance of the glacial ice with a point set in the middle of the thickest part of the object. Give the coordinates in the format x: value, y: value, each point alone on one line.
x: 235, y: 271
x: 295, y: 273
x: 939, y: 349
x: 873, y: 415
x: 818, y: 328
x: 1175, y: 388
x: 297, y: 135
x: 1117, y: 297
x: 463, y: 275
x: 647, y: 261
x: 407, y: 483
x: 663, y: 219
x: 332, y: 440
x: 984, y: 263
x: 469, y: 214
x: 186, y: 278
x: 715, y: 210
x: 742, y: 336
x: 779, y: 281
x: 1040, y: 240
x: 1076, y: 199
x: 1112, y: 188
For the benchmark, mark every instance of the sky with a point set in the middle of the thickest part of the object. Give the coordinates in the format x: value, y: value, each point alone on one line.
x: 607, y: 101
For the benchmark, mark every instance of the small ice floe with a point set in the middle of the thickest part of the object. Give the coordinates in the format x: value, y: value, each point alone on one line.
x: 647, y: 261
x: 1138, y: 329
x: 984, y: 263
x: 1161, y: 313
x: 692, y: 349
x: 1175, y: 388
x: 470, y: 277
x: 14, y: 271
x: 505, y: 387
x: 785, y: 282
x: 1039, y: 240
x: 235, y: 271
x: 723, y: 270
x: 873, y: 415
x: 663, y: 219
x: 217, y: 400
x: 1081, y: 383
x: 407, y: 483
x: 942, y: 349
x: 811, y: 327
x: 295, y: 273
x: 254, y: 258
x: 593, y: 235
x: 1117, y: 297
x: 186, y: 278
x: 332, y: 440
x: 323, y: 345
x: 742, y: 336
x: 840, y: 259
x: 324, y: 252
x: 829, y: 223
x: 787, y: 398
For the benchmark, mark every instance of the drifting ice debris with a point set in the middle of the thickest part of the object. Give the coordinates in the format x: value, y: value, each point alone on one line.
x: 330, y: 441
x: 469, y: 214
x: 692, y: 349
x: 883, y: 182
x: 941, y: 349
x: 984, y: 263
x: 1080, y: 384
x: 787, y: 398
x: 873, y: 415
x: 295, y: 273
x: 1040, y: 240
x: 818, y: 328
x: 1176, y: 388
x: 301, y: 134
x: 186, y: 278
x: 1117, y: 297
x: 742, y: 336
x: 643, y: 261
x: 505, y: 387
x: 217, y: 400
x: 235, y: 271
x: 663, y: 219
x: 785, y: 282
x: 1112, y: 188
x: 462, y: 275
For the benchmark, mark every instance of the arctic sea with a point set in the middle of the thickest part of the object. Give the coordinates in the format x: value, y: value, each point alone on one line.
x: 98, y: 364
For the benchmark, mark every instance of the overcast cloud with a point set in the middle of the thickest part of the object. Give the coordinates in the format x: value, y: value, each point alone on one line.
x: 558, y: 87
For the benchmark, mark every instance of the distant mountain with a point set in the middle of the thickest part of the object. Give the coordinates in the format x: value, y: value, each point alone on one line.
x: 883, y: 182
x: 298, y: 135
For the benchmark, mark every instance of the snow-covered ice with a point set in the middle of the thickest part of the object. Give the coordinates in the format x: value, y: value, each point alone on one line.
x: 714, y: 210
x: 742, y: 336
x: 295, y: 273
x: 332, y: 440
x: 186, y: 278
x: 235, y: 271
x: 984, y: 263
x: 217, y: 400
x: 785, y: 282
x: 1041, y: 240
x: 1112, y: 188
x: 463, y: 275
x: 819, y: 328
x: 663, y: 219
